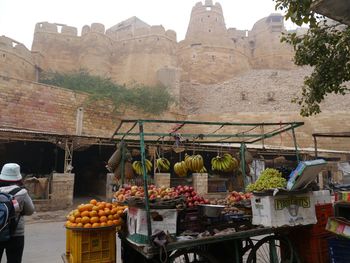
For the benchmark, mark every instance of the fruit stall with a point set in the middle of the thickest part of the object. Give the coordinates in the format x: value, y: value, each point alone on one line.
x: 175, y: 224
x: 268, y: 220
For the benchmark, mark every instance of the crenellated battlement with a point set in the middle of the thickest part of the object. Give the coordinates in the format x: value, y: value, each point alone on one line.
x: 12, y: 46
x: 46, y: 27
x: 207, y: 6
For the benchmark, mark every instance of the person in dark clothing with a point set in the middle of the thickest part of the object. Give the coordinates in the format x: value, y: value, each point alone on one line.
x: 10, y: 179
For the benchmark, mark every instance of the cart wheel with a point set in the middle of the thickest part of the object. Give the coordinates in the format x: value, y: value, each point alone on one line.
x: 192, y: 255
x: 247, y: 244
x: 273, y: 249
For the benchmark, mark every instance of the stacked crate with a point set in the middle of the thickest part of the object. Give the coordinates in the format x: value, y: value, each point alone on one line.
x: 311, y: 241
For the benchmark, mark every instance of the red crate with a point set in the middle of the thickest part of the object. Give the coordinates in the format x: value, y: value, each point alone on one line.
x: 311, y: 249
x: 322, y: 213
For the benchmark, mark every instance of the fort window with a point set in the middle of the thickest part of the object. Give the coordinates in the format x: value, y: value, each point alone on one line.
x: 3, y: 55
x: 201, y: 19
x: 209, y: 30
x: 157, y: 38
x: 140, y: 40
x: 193, y: 56
x: 208, y: 15
x: 213, y: 57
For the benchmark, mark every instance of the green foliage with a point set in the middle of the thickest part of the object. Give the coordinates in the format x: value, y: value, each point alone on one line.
x: 153, y: 100
x: 326, y: 48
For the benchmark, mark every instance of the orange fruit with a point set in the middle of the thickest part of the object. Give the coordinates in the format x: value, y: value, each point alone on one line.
x: 120, y: 213
x: 94, y: 219
x: 67, y: 223
x: 96, y: 225
x: 114, y: 210
x: 73, y: 225
x: 95, y: 208
x: 101, y: 207
x: 76, y: 213
x: 93, y: 213
x: 71, y: 219
x: 85, y: 213
x: 89, y: 207
x: 116, y: 216
x: 110, y: 217
x: 93, y: 201
x: 81, y: 208
x: 80, y: 225
x: 101, y: 213
x: 108, y: 205
x: 103, y: 219
x: 103, y: 224
x: 85, y: 220
x: 107, y: 211
x: 78, y: 220
x: 109, y: 223
x: 88, y: 225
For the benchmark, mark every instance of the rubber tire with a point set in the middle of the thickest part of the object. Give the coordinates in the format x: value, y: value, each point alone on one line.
x: 251, y: 258
x: 198, y: 252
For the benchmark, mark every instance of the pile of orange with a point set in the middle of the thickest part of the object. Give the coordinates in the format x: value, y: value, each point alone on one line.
x: 96, y: 214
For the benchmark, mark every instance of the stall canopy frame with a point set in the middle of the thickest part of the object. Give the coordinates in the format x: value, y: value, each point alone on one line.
x: 136, y: 130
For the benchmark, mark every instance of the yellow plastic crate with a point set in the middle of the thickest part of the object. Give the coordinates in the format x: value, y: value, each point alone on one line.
x: 68, y: 238
x: 93, y: 245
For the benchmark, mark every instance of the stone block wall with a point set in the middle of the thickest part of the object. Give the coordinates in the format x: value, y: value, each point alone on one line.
x: 200, y: 183
x: 61, y: 194
x: 62, y: 187
x: 162, y: 179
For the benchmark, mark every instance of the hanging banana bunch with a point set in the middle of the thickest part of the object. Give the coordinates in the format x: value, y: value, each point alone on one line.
x: 137, y: 166
x: 181, y: 169
x: 203, y: 170
x: 194, y: 163
x: 163, y: 165
x: 225, y: 163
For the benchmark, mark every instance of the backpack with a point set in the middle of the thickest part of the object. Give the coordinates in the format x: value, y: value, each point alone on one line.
x: 8, y: 219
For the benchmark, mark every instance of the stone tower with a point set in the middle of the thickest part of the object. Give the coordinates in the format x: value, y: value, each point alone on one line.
x: 207, y: 24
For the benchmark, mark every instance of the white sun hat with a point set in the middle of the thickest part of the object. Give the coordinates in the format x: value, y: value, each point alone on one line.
x: 10, y: 172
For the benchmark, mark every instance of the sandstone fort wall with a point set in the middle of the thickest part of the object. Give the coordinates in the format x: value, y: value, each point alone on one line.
x: 16, y: 60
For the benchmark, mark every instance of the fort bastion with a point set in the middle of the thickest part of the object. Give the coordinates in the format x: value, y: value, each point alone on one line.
x: 215, y: 73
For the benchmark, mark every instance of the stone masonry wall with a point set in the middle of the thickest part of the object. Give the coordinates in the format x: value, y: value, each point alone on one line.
x: 16, y: 60
x: 39, y: 107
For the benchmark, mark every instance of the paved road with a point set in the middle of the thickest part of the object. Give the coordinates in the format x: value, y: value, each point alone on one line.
x: 45, y: 242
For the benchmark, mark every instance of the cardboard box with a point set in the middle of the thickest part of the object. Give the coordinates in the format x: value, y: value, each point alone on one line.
x: 305, y: 173
x: 161, y: 219
x: 339, y: 226
x: 284, y: 210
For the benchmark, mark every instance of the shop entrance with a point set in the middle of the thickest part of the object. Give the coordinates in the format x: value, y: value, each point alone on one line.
x: 90, y: 171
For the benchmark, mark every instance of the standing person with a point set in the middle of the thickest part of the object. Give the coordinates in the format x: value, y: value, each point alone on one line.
x: 11, y: 182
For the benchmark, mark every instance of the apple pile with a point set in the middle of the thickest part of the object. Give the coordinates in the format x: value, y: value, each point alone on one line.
x: 236, y: 197
x: 161, y: 193
x: 192, y: 198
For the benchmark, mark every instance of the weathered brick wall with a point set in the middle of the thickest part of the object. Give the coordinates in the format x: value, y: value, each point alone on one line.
x: 327, y: 121
x: 34, y: 106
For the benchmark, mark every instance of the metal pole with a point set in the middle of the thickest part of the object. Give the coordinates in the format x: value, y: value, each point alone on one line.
x: 315, y: 143
x: 143, y: 161
x: 295, y: 145
x: 122, y: 165
x: 242, y: 150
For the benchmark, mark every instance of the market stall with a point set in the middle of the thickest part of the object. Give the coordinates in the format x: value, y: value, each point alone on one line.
x: 226, y: 244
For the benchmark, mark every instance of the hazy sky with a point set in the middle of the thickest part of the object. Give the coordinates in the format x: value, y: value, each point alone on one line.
x: 18, y: 17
